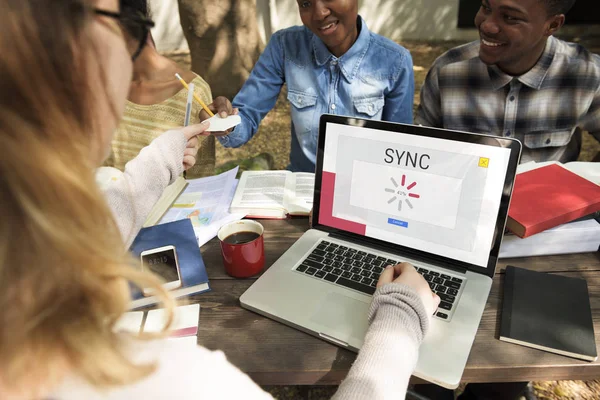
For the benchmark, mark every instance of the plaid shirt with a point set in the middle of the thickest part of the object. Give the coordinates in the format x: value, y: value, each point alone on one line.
x: 546, y: 108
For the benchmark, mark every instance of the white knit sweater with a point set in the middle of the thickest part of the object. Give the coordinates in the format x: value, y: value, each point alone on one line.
x: 397, y: 317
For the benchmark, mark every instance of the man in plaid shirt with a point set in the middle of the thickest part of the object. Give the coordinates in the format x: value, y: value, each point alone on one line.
x: 518, y: 81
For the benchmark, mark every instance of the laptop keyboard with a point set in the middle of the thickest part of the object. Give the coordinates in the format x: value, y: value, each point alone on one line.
x: 360, y: 271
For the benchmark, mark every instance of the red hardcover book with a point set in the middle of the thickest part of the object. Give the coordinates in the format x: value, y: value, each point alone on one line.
x: 549, y: 196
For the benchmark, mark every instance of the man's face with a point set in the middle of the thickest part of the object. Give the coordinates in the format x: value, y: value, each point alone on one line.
x: 513, y: 33
x: 333, y: 21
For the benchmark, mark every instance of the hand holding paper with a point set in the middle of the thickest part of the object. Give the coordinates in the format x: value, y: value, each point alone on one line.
x: 218, y: 124
x: 225, y: 116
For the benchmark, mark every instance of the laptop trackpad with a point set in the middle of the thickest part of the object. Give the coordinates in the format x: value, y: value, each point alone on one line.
x: 344, y: 316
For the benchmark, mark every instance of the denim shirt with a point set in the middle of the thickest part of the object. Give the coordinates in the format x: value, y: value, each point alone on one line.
x: 373, y: 79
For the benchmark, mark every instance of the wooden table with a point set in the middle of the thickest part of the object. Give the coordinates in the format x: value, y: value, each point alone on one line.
x: 275, y: 354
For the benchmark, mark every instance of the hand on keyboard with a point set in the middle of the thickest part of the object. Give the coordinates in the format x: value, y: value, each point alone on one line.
x: 406, y: 274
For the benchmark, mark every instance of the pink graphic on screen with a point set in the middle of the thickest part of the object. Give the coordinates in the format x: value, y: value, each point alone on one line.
x: 400, y: 193
x: 326, y: 210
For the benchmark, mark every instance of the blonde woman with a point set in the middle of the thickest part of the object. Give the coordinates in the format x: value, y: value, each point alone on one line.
x: 64, y: 76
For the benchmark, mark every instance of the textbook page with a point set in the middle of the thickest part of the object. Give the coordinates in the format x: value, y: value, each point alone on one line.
x: 262, y: 193
x: 301, y: 186
x: 207, y: 232
x: 204, y: 200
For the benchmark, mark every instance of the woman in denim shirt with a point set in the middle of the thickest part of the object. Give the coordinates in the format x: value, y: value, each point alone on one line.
x: 333, y: 64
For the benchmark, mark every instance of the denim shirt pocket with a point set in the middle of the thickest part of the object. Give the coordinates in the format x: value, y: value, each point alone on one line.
x: 304, y: 107
x: 303, y: 117
x: 300, y: 99
x: 370, y: 106
x: 542, y: 139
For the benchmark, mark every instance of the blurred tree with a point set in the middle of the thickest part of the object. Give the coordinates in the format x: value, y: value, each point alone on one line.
x: 224, y: 41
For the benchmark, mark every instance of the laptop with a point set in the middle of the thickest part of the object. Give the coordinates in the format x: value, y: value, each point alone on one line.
x: 387, y: 193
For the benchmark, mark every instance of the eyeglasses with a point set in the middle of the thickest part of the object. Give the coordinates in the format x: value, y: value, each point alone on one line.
x: 134, y: 25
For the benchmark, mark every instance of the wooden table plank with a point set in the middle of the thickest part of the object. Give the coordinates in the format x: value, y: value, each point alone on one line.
x: 275, y: 354
x: 270, y: 352
x: 492, y: 360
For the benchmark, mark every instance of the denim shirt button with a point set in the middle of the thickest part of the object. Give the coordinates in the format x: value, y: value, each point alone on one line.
x: 333, y: 106
x: 334, y: 62
x: 370, y: 107
x: 299, y: 99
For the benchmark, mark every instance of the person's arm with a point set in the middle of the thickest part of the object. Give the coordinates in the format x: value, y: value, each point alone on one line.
x: 399, y: 319
x: 429, y: 111
x: 133, y: 193
x: 399, y: 101
x: 259, y: 94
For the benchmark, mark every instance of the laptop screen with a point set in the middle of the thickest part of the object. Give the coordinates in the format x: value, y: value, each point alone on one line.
x: 431, y: 194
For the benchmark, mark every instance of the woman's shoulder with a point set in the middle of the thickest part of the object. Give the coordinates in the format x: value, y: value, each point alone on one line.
x: 197, y: 371
x: 292, y: 32
x: 386, y: 45
x: 198, y: 81
x: 202, y: 88
x: 183, y: 371
x: 293, y: 37
x: 192, y: 77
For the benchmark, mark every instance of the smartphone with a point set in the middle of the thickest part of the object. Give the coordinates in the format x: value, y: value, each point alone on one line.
x: 163, y: 262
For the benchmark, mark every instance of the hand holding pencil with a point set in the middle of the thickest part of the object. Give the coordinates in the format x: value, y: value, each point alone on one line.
x: 191, y: 134
x: 221, y: 105
x: 198, y: 99
x: 223, y: 108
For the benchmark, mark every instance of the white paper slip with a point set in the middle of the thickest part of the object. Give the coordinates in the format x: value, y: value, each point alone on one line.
x: 185, y: 320
x: 218, y: 124
x: 130, y: 322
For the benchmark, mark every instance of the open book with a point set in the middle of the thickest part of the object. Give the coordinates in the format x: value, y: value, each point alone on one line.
x: 274, y: 194
x: 165, y: 201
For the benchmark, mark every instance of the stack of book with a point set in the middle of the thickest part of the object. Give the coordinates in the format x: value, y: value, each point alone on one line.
x: 554, y: 210
x: 191, y: 269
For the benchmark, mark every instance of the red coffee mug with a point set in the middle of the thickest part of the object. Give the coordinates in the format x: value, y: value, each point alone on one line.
x: 243, y: 248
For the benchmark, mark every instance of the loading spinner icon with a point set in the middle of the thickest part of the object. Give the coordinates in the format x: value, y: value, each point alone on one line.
x: 402, y: 193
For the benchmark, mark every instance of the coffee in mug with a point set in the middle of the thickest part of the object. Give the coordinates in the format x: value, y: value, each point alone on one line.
x: 242, y: 248
x: 241, y: 237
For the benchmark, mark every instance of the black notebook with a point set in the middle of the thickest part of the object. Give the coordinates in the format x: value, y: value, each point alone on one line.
x: 548, y: 312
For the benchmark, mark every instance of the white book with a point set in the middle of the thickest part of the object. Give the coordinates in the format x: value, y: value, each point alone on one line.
x: 574, y: 237
x: 586, y: 169
x: 273, y: 194
x: 185, y: 320
x: 130, y: 322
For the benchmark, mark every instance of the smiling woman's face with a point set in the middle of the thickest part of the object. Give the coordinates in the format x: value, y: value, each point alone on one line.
x: 333, y: 21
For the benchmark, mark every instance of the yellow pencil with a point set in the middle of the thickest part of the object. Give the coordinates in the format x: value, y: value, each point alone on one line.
x: 185, y: 85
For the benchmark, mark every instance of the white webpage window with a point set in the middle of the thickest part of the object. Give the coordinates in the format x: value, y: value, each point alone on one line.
x: 409, y: 194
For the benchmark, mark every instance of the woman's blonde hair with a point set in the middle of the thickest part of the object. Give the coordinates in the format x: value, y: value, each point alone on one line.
x: 63, y: 266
